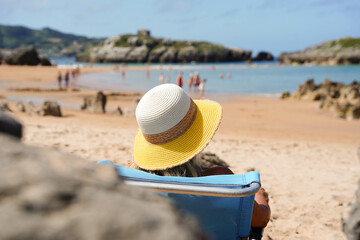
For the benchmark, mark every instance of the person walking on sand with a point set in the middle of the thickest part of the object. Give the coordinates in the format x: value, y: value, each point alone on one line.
x: 179, y: 79
x: 202, y: 88
x: 59, y: 79
x: 67, y: 79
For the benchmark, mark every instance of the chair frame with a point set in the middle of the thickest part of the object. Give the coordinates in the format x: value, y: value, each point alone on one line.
x: 195, y: 189
x: 233, y: 190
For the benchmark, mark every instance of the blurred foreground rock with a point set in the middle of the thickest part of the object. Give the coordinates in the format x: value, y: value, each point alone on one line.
x: 343, y: 99
x: 10, y: 126
x: 95, y: 104
x: 351, y: 225
x: 46, y: 194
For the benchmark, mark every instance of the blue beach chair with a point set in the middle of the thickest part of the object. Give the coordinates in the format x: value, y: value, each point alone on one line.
x: 222, y: 204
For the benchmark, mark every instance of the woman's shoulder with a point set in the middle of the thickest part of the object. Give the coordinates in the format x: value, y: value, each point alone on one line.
x: 206, y: 171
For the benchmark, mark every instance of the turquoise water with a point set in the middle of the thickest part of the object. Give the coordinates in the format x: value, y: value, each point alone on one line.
x: 266, y: 79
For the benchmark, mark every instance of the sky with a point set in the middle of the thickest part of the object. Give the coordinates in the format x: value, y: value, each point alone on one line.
x: 258, y: 25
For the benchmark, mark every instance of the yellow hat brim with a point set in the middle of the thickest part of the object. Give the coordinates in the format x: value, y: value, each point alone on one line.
x: 182, y: 149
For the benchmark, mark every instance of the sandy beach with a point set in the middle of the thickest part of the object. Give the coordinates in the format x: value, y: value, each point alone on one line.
x: 307, y: 158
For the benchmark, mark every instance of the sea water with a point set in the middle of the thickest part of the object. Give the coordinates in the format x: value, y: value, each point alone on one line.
x: 264, y: 78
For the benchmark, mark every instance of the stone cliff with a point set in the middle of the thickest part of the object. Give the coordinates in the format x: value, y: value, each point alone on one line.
x: 341, y: 51
x: 144, y: 48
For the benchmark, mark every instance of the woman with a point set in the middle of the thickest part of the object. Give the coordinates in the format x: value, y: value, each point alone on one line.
x: 173, y: 129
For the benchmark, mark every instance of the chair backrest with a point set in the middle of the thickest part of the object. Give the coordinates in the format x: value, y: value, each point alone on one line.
x: 222, y: 204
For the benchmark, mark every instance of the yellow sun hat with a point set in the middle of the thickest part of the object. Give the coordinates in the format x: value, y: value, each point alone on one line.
x: 173, y: 127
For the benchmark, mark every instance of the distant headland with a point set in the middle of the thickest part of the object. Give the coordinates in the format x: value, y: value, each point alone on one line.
x: 338, y: 52
x: 142, y: 47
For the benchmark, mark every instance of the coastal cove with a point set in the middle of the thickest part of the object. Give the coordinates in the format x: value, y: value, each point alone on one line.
x: 297, y: 147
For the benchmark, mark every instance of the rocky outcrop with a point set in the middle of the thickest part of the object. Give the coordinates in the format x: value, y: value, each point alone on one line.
x: 138, y: 54
x: 351, y: 225
x: 23, y: 56
x: 26, y: 56
x: 144, y: 48
x: 4, y: 106
x: 169, y: 56
x: 51, y: 195
x: 47, y: 108
x: 95, y: 104
x: 45, y: 61
x: 341, y: 51
x: 154, y: 55
x: 343, y: 99
x: 263, y: 56
x: 50, y: 108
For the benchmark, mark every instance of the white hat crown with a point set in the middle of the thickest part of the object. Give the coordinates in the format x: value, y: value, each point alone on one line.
x: 162, y: 108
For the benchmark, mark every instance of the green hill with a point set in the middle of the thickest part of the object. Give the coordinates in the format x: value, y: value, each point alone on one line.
x: 49, y: 42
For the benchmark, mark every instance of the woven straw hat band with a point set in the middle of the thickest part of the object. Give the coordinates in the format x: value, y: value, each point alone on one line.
x: 176, y: 131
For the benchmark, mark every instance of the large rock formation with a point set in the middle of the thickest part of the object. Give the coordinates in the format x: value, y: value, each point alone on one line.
x: 50, y: 108
x: 341, y: 51
x: 263, y: 56
x: 26, y: 56
x: 144, y: 48
x: 343, y: 99
x: 46, y: 194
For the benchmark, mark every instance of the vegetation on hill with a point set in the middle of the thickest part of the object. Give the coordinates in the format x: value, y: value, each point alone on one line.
x: 48, y: 41
x: 346, y: 42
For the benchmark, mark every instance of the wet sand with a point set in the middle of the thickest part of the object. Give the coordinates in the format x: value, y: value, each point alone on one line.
x: 306, y: 157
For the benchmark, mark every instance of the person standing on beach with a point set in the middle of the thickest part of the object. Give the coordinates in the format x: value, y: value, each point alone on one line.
x: 196, y: 81
x: 59, y: 79
x: 202, y: 88
x: 190, y: 82
x: 161, y: 78
x: 228, y: 75
x: 67, y: 78
x: 179, y: 79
